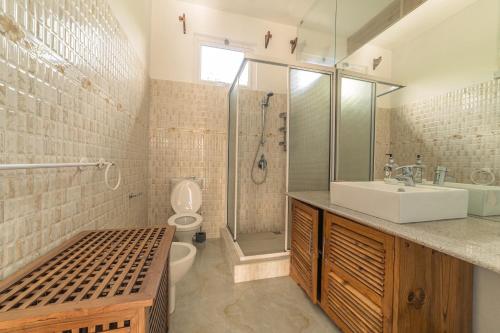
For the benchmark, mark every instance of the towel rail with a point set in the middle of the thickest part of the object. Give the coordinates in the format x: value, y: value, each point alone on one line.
x: 80, y: 165
x: 49, y: 165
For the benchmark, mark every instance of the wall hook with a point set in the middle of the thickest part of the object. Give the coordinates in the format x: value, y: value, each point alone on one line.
x: 267, y: 38
x: 376, y: 62
x: 183, y: 20
x: 293, y: 44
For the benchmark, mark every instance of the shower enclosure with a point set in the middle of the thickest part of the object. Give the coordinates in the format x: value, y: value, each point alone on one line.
x: 257, y: 158
x: 279, y: 139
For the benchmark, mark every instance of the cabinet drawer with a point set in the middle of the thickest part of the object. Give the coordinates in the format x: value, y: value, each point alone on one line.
x: 357, y: 276
x: 350, y: 306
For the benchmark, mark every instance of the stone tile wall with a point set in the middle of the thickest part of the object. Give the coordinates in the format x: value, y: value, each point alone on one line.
x: 188, y: 137
x: 261, y: 208
x: 382, y: 141
x: 71, y: 86
x: 459, y: 130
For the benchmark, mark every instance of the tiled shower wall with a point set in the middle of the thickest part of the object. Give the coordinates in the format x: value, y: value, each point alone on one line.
x: 382, y: 141
x: 459, y: 130
x: 261, y: 208
x: 71, y: 86
x: 188, y: 137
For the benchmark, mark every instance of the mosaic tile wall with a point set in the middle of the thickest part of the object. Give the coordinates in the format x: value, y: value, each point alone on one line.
x: 382, y: 141
x: 261, y: 208
x: 459, y: 130
x: 71, y: 86
x: 188, y: 133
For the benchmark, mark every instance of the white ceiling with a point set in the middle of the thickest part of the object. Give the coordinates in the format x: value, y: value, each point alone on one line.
x: 288, y: 12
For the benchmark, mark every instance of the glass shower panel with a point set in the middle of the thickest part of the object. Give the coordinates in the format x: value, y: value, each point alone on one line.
x: 310, y: 112
x: 232, y: 158
x: 355, y: 130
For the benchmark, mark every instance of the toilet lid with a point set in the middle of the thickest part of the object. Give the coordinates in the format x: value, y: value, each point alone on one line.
x: 186, y: 197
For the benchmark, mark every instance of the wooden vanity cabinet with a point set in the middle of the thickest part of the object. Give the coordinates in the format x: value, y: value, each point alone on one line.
x: 375, y: 282
x: 371, y: 281
x: 304, y: 248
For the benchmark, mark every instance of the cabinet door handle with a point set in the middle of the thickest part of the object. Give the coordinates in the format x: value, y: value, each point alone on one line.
x: 416, y: 298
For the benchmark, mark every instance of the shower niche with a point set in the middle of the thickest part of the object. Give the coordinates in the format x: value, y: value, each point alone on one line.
x: 257, y: 158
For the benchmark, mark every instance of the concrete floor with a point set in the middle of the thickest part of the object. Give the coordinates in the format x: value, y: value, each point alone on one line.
x: 261, y: 243
x: 209, y: 302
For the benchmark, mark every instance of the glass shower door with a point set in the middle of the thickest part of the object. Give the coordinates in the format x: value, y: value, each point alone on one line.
x: 355, y: 120
x: 232, y: 173
x: 310, y: 120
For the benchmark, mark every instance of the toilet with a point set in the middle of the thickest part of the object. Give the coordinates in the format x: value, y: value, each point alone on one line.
x: 181, y: 259
x: 185, y: 199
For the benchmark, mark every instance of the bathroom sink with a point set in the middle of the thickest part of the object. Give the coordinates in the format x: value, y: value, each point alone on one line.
x: 483, y: 200
x: 399, y: 203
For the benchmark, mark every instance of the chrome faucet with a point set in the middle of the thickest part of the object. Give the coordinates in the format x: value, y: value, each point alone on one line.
x: 406, y: 175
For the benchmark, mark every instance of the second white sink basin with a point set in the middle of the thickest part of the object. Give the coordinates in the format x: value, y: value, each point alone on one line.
x: 398, y: 203
x: 483, y: 200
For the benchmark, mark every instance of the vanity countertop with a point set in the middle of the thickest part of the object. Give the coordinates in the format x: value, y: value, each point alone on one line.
x: 471, y: 239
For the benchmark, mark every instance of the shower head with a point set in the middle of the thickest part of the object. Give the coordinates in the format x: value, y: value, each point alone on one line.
x: 265, y: 100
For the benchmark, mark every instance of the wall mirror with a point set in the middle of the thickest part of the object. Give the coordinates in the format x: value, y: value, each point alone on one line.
x: 333, y: 29
x: 446, y: 54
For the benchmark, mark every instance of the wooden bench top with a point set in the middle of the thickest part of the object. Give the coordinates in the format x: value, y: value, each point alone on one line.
x: 99, y: 270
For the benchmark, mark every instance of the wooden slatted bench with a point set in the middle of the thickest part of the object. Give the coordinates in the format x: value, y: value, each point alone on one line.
x: 99, y: 281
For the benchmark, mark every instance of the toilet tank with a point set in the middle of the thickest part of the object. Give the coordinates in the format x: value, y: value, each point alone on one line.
x: 177, y: 180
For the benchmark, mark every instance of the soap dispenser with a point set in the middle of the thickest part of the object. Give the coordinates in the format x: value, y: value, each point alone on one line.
x: 419, y: 170
x: 389, y: 168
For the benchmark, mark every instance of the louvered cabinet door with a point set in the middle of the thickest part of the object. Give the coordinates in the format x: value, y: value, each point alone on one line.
x: 304, y: 248
x: 357, y: 276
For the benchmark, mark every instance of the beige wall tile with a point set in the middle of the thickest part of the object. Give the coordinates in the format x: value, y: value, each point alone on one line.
x: 459, y: 130
x: 71, y: 86
x: 188, y: 137
x: 261, y: 208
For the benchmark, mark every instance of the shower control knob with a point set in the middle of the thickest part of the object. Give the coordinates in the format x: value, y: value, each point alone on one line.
x: 262, y: 163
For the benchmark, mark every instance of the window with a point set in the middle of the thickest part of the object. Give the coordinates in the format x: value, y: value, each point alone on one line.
x: 221, y: 65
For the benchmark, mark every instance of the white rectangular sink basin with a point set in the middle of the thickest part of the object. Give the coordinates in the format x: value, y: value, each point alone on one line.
x: 399, y: 203
x: 483, y: 200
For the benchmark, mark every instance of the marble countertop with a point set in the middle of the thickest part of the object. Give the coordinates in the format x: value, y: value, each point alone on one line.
x: 471, y: 239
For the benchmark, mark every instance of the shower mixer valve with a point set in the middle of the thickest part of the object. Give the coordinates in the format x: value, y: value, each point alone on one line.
x: 262, y: 162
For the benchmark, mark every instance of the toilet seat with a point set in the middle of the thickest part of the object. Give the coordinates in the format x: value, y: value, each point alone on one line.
x: 185, y: 221
x: 186, y: 197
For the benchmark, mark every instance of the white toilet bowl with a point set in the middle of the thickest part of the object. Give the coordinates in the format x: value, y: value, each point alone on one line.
x: 186, y: 225
x: 182, y: 256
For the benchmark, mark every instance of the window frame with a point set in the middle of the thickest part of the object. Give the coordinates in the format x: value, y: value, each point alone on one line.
x: 217, y: 42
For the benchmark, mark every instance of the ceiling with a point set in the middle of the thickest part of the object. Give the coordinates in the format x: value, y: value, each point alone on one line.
x: 288, y: 12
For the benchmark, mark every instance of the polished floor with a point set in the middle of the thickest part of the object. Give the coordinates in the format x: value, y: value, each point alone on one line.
x: 209, y: 302
x: 261, y: 243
